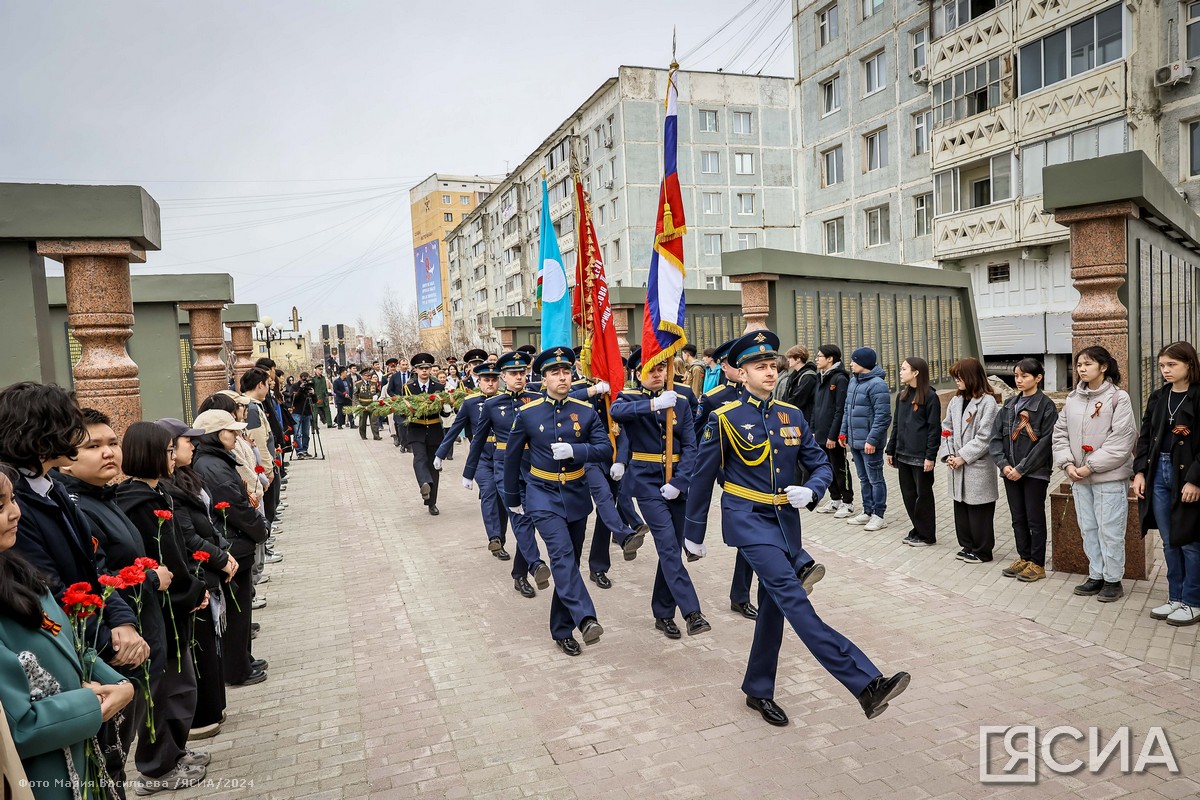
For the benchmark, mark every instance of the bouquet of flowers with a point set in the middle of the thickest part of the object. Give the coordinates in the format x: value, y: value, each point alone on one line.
x: 420, y: 405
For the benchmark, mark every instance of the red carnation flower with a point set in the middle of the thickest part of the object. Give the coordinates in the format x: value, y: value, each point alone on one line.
x: 112, y: 580
x: 83, y: 587
x: 201, y: 556
x: 145, y: 563
x: 221, y: 506
x: 132, y: 575
x: 163, y: 514
x: 278, y: 463
x: 842, y: 437
x: 259, y: 469
x: 947, y: 434
x: 1087, y: 448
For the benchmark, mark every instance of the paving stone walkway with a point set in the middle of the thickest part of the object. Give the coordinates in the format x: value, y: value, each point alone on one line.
x: 403, y: 665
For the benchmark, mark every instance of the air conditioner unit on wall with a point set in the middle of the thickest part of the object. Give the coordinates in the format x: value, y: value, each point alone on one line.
x: 608, y: 184
x: 920, y: 74
x: 1174, y: 73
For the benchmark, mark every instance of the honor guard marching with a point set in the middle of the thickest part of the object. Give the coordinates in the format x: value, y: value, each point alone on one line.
x: 473, y: 358
x: 467, y: 420
x: 642, y: 413
x: 424, y: 432
x: 763, y: 445
x: 739, y: 587
x: 485, y: 466
x: 564, y: 434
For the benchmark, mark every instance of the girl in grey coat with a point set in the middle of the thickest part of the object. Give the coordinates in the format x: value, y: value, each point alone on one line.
x: 966, y: 450
x: 1093, y: 444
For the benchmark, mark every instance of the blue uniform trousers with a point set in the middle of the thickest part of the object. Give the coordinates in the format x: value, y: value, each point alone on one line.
x: 522, y: 526
x: 780, y: 597
x: 564, y: 546
x: 495, y: 518
x: 672, y: 584
x: 610, y: 518
x: 739, y: 587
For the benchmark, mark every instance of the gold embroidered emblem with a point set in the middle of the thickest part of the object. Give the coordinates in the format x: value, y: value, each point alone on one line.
x: 760, y: 338
x: 707, y: 434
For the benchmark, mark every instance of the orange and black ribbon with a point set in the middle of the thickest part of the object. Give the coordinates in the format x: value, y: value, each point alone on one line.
x: 50, y: 625
x: 1025, y: 425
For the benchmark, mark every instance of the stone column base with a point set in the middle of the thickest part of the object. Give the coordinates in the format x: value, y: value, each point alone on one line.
x: 1067, y: 553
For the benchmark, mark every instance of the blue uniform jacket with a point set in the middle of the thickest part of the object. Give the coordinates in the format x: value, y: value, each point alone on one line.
x: 643, y: 442
x: 559, y: 487
x: 495, y: 423
x: 470, y: 414
x: 761, y: 445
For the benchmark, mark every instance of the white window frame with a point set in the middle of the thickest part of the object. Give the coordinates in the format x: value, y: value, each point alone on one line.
x: 871, y: 7
x: 831, y: 95
x: 747, y: 240
x: 711, y: 239
x: 1192, y: 20
x: 745, y: 203
x: 827, y: 25
x: 877, y: 155
x: 874, y: 73
x: 837, y: 228
x: 919, y: 41
x: 711, y: 207
x: 882, y: 223
x: 922, y: 126
x: 446, y: 199
x: 707, y: 116
x: 710, y: 158
x: 951, y: 95
x: 833, y: 166
x: 923, y: 214
x: 1026, y: 51
x: 743, y: 123
x: 743, y: 163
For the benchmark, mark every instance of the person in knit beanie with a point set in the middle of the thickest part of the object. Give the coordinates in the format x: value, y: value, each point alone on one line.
x: 864, y: 432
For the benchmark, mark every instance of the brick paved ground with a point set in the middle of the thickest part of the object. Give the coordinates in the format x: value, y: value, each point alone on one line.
x: 404, y: 665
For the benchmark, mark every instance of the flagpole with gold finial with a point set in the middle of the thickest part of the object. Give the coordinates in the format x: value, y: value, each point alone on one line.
x: 669, y: 386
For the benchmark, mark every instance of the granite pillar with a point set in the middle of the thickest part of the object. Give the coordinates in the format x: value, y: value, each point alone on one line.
x: 208, y: 339
x: 507, y: 337
x: 756, y: 299
x: 621, y: 323
x: 242, y: 336
x: 100, y: 314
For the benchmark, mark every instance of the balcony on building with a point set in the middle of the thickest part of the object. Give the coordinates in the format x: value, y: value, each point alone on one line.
x: 972, y: 112
x: 974, y: 207
x: 967, y: 31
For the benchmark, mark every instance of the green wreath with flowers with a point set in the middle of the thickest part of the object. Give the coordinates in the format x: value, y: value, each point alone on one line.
x: 415, y: 405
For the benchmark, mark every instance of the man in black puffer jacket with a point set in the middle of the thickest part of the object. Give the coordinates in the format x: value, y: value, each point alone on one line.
x: 826, y: 422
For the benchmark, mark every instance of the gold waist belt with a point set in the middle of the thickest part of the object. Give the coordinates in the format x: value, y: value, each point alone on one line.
x: 657, y: 458
x: 561, y: 477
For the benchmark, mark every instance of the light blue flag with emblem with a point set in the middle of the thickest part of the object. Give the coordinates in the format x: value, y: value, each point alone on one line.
x: 552, y: 294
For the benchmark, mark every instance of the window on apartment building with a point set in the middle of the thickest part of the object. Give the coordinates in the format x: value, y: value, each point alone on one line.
x: 923, y: 215
x: 871, y: 7
x: 827, y: 24
x: 710, y: 162
x: 956, y: 13
x: 600, y: 213
x: 878, y: 226
x: 714, y: 282
x: 877, y: 149
x: 745, y: 203
x: 708, y: 121
x: 743, y: 122
x: 831, y: 95
x: 1194, y: 148
x: 616, y: 249
x: 922, y: 124
x: 979, y: 183
x: 1193, y: 30
x: 967, y: 93
x: 919, y: 39
x: 447, y: 217
x: 743, y: 163
x: 835, y: 236
x: 1089, y: 43
x: 558, y: 156
x: 998, y: 273
x: 747, y: 241
x: 712, y: 202
x: 612, y: 208
x: 832, y: 168
x: 445, y: 199
x: 712, y: 244
x: 1090, y: 142
x: 875, y: 73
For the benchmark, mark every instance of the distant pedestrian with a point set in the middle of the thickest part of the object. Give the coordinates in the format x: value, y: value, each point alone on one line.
x: 1021, y: 448
x: 1093, y: 443
x: 828, y: 409
x: 864, y: 433
x: 966, y: 449
x: 913, y: 446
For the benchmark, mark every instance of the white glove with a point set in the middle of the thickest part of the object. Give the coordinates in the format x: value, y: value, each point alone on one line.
x: 519, y: 510
x: 668, y: 492
x: 799, y: 496
x: 447, y: 408
x: 665, y: 400
x: 561, y: 451
x: 698, y: 550
x: 437, y: 463
x: 601, y: 387
x: 616, y: 471
x: 468, y: 484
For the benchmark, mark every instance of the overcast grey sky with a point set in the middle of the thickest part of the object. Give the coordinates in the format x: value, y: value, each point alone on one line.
x: 280, y: 138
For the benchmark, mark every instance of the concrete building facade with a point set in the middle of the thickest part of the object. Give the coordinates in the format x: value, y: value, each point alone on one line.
x: 736, y: 164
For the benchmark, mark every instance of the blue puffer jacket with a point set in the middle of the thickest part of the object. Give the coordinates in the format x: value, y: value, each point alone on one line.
x: 868, y: 410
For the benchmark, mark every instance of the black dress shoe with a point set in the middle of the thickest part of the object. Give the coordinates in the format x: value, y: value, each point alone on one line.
x: 433, y: 511
x: 494, y: 543
x: 590, y: 630
x: 668, y: 627
x: 258, y: 665
x: 396, y: 441
x: 256, y: 627
x: 502, y: 554
x: 810, y: 575
x: 600, y: 579
x: 541, y: 575
x: 252, y: 678
x: 747, y: 610
x: 569, y: 646
x: 772, y: 713
x: 697, y: 623
x: 426, y: 490
x: 1089, y: 587
x: 631, y: 544
x: 879, y: 692
x: 522, y: 586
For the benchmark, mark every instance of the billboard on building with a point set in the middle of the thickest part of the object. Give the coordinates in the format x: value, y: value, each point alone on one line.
x: 430, y: 304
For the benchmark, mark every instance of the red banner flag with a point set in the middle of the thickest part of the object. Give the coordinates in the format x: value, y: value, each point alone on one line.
x: 590, y: 306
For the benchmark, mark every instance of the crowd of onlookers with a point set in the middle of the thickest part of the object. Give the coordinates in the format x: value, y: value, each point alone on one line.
x: 128, y: 573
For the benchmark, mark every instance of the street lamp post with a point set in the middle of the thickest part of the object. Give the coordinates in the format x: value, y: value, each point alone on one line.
x: 383, y: 343
x: 266, y: 333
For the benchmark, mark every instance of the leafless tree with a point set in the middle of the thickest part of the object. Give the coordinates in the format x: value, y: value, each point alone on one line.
x: 399, y: 324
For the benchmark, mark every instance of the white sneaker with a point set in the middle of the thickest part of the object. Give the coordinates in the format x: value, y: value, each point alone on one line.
x: 1165, y: 610
x: 1184, y: 615
x: 845, y: 512
x: 861, y: 519
x: 830, y: 507
x: 876, y: 523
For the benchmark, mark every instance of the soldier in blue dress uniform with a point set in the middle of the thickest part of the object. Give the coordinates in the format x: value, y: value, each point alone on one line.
x: 719, y: 395
x: 764, y: 445
x: 472, y: 358
x: 642, y: 415
x: 563, y: 435
x: 491, y: 440
x: 425, y: 431
x: 470, y: 414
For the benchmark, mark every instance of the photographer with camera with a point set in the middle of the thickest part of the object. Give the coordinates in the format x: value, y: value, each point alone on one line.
x: 303, y: 396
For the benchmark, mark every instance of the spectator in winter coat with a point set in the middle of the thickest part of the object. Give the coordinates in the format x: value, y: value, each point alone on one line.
x: 802, y: 381
x: 828, y: 409
x: 913, y: 446
x: 864, y: 433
